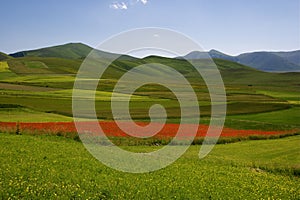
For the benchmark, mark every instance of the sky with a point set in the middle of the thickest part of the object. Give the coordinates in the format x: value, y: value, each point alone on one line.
x: 230, y: 26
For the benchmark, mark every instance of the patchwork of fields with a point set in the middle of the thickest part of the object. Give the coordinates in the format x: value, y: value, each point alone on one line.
x: 36, y: 92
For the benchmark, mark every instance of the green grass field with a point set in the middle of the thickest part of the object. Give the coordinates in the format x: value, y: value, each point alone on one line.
x: 283, y: 117
x: 27, y: 115
x: 4, y: 67
x: 35, y: 167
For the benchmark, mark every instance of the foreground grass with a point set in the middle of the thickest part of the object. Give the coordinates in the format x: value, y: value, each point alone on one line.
x: 34, y: 167
x: 278, y: 156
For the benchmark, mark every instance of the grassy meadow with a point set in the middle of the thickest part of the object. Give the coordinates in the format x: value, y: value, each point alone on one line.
x: 35, y: 167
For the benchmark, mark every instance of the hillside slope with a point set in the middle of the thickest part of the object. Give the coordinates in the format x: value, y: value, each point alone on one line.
x: 232, y: 72
x: 265, y: 61
x: 69, y: 51
x: 3, y: 56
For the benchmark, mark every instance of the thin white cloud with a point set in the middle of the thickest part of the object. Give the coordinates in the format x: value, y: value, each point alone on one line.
x: 118, y: 6
x: 144, y: 1
x: 125, y: 5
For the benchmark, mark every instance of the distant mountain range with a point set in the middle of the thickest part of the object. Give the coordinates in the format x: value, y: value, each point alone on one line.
x: 264, y: 61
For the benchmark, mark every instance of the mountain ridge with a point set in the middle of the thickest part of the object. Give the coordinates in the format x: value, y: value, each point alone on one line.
x: 280, y: 61
x: 68, y: 50
x: 276, y: 61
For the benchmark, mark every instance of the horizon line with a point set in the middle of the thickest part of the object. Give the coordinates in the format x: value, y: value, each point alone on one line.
x: 204, y: 50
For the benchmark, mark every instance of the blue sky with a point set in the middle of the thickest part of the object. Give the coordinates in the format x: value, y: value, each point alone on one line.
x: 231, y: 26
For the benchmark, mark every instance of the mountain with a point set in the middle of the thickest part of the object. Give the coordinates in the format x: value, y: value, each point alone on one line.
x: 265, y: 61
x: 211, y: 54
x: 61, y: 59
x: 268, y: 61
x: 293, y: 56
x: 217, y: 54
x: 66, y: 51
x: 69, y: 51
x: 195, y: 55
x: 232, y: 71
x: 3, y: 56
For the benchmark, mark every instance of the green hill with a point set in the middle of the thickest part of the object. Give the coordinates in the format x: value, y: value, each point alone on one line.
x: 3, y: 56
x: 69, y: 51
x: 73, y: 51
x: 66, y: 60
x: 43, y: 65
x: 232, y: 72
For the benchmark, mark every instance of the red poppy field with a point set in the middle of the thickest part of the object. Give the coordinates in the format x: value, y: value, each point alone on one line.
x: 111, y: 129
